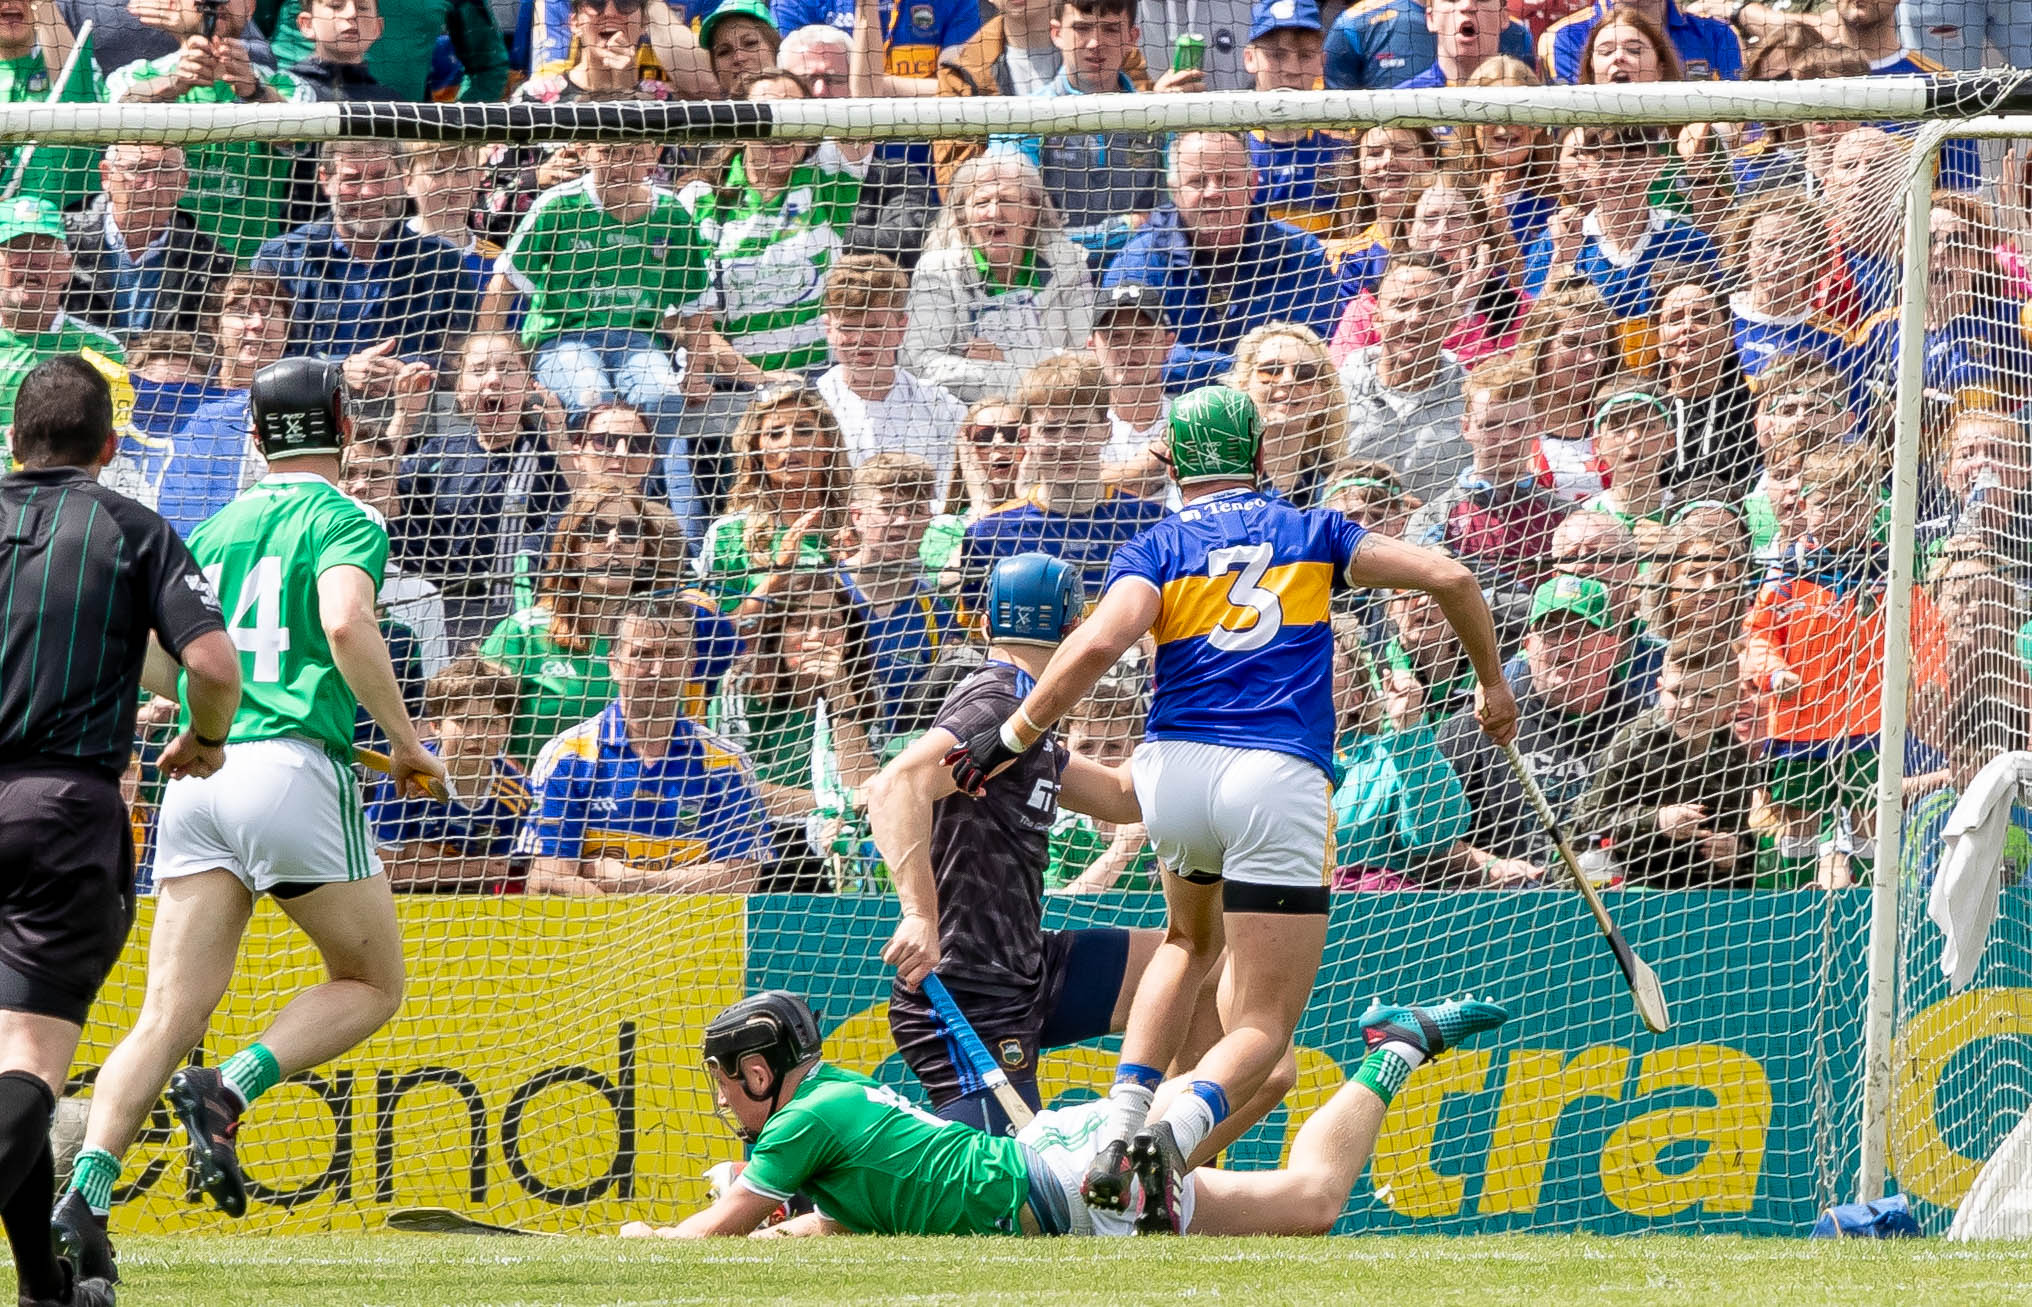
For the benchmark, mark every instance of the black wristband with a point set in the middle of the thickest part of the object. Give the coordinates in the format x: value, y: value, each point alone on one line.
x: 206, y: 741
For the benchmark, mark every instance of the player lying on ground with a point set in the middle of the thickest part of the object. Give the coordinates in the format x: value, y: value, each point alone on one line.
x: 876, y: 1164
x: 969, y: 874
x: 1234, y: 772
x: 296, y: 565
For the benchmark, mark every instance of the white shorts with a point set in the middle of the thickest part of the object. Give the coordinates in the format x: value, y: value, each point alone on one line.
x: 1251, y: 816
x: 280, y: 812
x: 1067, y: 1138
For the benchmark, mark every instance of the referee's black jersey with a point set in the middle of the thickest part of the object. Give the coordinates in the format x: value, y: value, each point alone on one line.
x: 85, y: 575
x: 988, y: 855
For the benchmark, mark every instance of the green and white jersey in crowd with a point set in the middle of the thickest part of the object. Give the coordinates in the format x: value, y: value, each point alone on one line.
x: 63, y: 175
x: 879, y: 1164
x: 585, y: 271
x: 771, y: 254
x: 239, y: 191
x: 558, y: 687
x: 20, y: 353
x: 263, y: 554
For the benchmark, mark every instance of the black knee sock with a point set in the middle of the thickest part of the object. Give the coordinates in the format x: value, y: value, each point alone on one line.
x: 28, y: 1181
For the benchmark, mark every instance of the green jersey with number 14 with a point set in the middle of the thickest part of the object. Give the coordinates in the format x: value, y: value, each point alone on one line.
x: 263, y: 554
x: 878, y: 1164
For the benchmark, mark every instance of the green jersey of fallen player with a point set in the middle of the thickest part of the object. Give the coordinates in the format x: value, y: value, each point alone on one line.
x: 263, y: 554
x: 878, y: 1164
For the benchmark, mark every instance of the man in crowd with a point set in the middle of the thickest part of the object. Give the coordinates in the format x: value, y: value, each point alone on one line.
x: 139, y: 263
x: 35, y: 269
x: 1133, y: 341
x: 1465, y: 32
x: 1378, y: 44
x: 1405, y: 396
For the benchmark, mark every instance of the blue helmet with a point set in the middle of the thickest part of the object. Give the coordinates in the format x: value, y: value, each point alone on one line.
x: 1032, y: 599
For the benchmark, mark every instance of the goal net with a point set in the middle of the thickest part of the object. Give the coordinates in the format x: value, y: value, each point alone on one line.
x: 698, y: 428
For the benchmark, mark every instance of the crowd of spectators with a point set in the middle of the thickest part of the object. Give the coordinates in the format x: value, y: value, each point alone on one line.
x: 694, y: 456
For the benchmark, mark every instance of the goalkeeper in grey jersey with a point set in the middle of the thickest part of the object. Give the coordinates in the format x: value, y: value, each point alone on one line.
x: 875, y: 1163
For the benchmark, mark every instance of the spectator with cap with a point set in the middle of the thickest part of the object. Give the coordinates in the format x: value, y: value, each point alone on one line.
x: 1377, y: 44
x: 1133, y: 340
x: 1223, y: 266
x: 1303, y: 174
x: 1708, y: 48
x: 139, y: 263
x: 740, y: 38
x: 35, y: 269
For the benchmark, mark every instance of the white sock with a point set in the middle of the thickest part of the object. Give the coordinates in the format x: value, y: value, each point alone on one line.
x: 1191, y: 1121
x: 1128, y: 1109
x: 1412, y: 1054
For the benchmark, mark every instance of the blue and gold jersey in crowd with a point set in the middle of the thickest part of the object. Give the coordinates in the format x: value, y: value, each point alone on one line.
x: 1299, y: 181
x: 1244, y: 652
x: 485, y: 828
x: 596, y: 797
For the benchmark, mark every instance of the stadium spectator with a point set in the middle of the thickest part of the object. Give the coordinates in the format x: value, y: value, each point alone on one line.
x: 990, y: 454
x: 445, y: 184
x: 789, y: 499
x: 878, y: 403
x: 1452, y: 220
x: 241, y: 192
x: 1778, y: 247
x: 1704, y: 582
x: 1984, y: 490
x: 1404, y: 391
x: 340, y: 32
x: 1133, y: 340
x: 35, y: 270
x: 1816, y: 652
x: 641, y: 798
x: 1087, y: 855
x: 1000, y: 287
x: 607, y: 548
x: 613, y: 445
x: 1672, y: 796
x: 1012, y: 54
x: 1513, y: 162
x: 1393, y: 167
x: 1601, y: 547
x: 398, y: 56
x: 458, y: 844
x: 1568, y: 342
x: 412, y: 610
x: 138, y: 263
x: 480, y: 484
x: 1065, y: 509
x: 1772, y: 156
x: 1985, y: 675
x: 1495, y: 517
x: 1399, y: 807
x: 124, y: 31
x: 740, y: 39
x: 822, y: 55
x: 1370, y: 492
x: 1285, y: 368
x: 1222, y: 267
x: 1304, y: 175
x: 1706, y: 48
x: 1465, y: 32
x: 1633, y: 435
x: 1965, y: 35
x: 546, y: 39
x: 366, y: 290
x: 1626, y: 47
x: 1866, y: 167
x: 902, y: 49
x: 1714, y: 444
x: 1420, y: 641
x: 1573, y: 695
x: 906, y: 623
x: 1801, y: 406
x: 1377, y: 44
x: 1225, y: 27
x: 1614, y: 237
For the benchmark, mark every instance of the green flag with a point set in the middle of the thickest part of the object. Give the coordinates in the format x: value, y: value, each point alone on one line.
x: 65, y: 175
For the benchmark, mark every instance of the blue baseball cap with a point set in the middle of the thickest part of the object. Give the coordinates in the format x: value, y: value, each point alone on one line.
x: 1269, y: 16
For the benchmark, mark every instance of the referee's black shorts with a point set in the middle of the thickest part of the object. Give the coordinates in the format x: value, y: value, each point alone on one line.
x: 66, y: 887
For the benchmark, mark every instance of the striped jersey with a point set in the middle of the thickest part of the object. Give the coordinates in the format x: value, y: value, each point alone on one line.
x: 1244, y: 652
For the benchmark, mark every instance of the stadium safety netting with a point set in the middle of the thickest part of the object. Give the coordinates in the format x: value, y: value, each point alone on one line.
x: 704, y: 421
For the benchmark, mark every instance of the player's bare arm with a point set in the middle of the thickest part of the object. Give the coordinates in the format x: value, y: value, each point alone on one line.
x: 346, y: 609
x: 212, y: 691
x: 739, y: 1211
x: 1102, y: 792
x: 900, y: 800
x: 1386, y: 564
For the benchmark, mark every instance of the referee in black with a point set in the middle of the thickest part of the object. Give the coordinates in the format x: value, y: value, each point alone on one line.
x: 87, y: 576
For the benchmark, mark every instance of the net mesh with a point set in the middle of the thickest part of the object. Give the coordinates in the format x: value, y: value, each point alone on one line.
x: 682, y: 436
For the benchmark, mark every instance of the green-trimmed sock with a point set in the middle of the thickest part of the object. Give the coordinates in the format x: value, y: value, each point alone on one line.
x: 250, y: 1073
x: 93, y: 1176
x: 1384, y: 1071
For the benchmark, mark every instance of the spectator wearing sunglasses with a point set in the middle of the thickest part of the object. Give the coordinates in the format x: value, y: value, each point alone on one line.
x: 990, y: 460
x: 1284, y: 367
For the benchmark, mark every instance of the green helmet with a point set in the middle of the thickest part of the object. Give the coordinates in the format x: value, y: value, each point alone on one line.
x: 1215, y: 433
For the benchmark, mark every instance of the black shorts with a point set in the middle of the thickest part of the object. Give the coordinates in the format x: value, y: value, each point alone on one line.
x: 66, y: 888
x: 1072, y: 1003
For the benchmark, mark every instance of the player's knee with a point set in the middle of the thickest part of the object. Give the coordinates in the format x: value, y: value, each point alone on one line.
x: 1319, y: 1206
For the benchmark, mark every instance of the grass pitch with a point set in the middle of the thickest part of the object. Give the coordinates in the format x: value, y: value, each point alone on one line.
x: 1521, y: 1271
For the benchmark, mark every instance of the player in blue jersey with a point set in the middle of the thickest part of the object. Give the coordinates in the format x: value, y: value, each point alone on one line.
x: 1234, y: 772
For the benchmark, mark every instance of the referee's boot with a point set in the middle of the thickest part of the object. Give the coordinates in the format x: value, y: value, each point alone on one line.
x: 79, y: 1234
x: 79, y: 1291
x: 1160, y: 1172
x: 1105, y: 1187
x: 210, y: 1117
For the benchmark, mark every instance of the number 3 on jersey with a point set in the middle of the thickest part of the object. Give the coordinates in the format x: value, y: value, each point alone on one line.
x: 1244, y: 592
x: 267, y: 639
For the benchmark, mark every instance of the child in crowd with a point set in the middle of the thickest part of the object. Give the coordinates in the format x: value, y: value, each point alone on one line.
x: 1633, y: 438
x: 460, y: 843
x: 1672, y: 796
x: 906, y: 622
x: 341, y: 32
x: 1133, y: 341
x: 1090, y: 857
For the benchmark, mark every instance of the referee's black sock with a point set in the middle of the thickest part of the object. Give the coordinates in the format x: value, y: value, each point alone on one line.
x: 28, y: 1181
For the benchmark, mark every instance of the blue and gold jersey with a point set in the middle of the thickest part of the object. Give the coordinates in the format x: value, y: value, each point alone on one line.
x: 485, y: 829
x: 1244, y: 652
x: 1299, y: 181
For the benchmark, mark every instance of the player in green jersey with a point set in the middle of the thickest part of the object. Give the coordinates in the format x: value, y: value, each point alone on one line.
x: 296, y: 565
x: 875, y: 1163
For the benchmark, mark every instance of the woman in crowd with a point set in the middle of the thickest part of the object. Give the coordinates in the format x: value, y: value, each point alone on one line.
x: 1714, y: 444
x: 990, y: 466
x: 1700, y: 595
x: 1393, y: 165
x: 1778, y: 249
x: 1515, y: 163
x: 1629, y: 47
x: 1400, y: 806
x: 788, y: 503
x: 775, y: 217
x: 1000, y: 288
x: 1773, y: 155
x: 1452, y: 220
x: 1285, y: 368
x: 1568, y: 342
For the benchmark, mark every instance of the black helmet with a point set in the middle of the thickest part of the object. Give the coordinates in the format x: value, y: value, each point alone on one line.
x: 775, y: 1023
x: 299, y: 407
